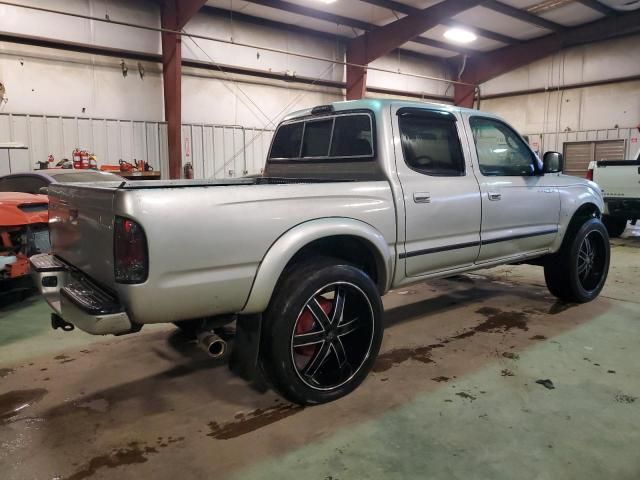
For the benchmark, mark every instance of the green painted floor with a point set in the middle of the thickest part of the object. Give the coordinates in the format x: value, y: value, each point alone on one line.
x: 502, y: 425
x: 453, y: 394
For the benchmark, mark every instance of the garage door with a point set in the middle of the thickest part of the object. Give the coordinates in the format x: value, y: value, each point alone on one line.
x: 577, y: 155
x: 610, y: 150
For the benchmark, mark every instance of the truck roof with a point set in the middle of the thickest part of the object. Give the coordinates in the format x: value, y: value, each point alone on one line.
x: 379, y: 104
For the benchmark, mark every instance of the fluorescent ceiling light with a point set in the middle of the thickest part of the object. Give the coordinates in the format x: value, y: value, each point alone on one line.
x: 459, y: 35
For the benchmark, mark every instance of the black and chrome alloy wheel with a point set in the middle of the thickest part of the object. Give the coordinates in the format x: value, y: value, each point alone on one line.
x: 578, y: 271
x: 591, y: 260
x: 322, y: 331
x: 332, y: 336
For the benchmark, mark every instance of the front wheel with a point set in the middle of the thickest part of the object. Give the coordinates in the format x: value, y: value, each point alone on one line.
x: 322, y: 331
x: 577, y: 273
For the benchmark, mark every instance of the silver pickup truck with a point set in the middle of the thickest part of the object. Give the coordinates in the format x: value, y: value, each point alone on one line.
x: 357, y: 198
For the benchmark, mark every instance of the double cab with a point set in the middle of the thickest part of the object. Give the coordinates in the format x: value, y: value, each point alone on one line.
x: 357, y: 198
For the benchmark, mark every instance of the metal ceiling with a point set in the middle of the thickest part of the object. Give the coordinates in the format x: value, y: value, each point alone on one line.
x: 496, y: 23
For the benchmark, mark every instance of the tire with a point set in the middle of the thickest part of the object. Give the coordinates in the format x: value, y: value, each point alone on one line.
x: 579, y: 270
x: 615, y: 225
x: 334, y: 352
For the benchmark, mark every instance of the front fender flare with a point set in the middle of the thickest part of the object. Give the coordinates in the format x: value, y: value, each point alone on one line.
x: 287, y: 245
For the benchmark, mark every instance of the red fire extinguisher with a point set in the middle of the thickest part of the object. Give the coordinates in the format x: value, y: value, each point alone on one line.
x: 188, y: 171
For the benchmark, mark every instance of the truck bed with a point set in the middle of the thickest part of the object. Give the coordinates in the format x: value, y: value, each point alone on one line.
x: 618, y: 178
x: 203, y: 242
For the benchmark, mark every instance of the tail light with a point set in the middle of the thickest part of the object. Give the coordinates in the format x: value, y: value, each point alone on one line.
x: 131, y: 262
x: 590, y: 174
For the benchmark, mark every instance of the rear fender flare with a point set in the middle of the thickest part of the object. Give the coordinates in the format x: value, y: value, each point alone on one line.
x: 285, y: 247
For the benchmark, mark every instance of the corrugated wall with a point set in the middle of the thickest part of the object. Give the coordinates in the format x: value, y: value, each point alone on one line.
x: 216, y: 151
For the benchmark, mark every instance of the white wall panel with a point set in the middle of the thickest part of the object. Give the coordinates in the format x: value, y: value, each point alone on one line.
x: 587, y: 63
x: 41, y: 24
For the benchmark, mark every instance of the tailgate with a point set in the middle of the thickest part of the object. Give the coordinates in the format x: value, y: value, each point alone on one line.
x: 81, y: 228
x: 618, y: 178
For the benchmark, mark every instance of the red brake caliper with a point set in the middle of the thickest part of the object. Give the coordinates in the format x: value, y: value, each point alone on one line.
x: 306, y: 323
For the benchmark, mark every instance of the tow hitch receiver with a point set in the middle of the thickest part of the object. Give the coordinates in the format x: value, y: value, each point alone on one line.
x: 58, y: 322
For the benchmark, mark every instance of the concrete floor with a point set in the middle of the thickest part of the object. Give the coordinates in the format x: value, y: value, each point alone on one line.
x: 453, y: 394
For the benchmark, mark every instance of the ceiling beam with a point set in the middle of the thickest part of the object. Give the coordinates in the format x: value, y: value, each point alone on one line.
x: 481, y: 32
x: 599, y: 7
x: 314, y: 13
x: 347, y: 21
x: 374, y: 44
x: 484, y: 67
x: 382, y: 40
x: 522, y: 15
x: 430, y: 42
x: 243, y: 17
x: 409, y: 10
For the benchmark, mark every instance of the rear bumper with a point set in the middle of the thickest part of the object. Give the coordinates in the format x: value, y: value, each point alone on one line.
x: 628, y: 208
x: 77, y: 299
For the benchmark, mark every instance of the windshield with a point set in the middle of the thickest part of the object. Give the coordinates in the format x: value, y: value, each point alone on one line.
x: 81, y: 177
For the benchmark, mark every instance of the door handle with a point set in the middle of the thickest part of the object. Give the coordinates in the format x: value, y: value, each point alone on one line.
x: 422, y: 197
x: 494, y: 196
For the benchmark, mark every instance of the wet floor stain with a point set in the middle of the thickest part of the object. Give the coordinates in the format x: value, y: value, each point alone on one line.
x: 466, y: 396
x: 624, y: 398
x: 538, y: 337
x: 511, y: 355
x: 14, y: 402
x: 501, y: 321
x: 440, y: 379
x: 389, y: 359
x: 6, y: 371
x: 249, y: 422
x: 64, y: 358
x: 130, y: 455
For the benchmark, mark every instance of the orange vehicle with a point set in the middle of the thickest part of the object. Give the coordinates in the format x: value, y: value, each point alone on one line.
x: 23, y: 231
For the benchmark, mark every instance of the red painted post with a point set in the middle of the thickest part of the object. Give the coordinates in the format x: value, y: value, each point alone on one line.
x: 175, y: 15
x: 463, y: 95
x: 356, y: 76
x: 172, y: 77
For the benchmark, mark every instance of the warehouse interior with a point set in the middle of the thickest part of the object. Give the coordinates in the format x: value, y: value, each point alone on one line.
x: 481, y: 374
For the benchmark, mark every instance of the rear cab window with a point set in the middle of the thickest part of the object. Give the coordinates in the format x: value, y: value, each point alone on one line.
x: 338, y: 145
x: 335, y: 137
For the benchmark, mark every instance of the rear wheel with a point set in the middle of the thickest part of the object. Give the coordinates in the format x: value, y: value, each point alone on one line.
x: 578, y: 271
x: 322, y: 331
x: 615, y: 225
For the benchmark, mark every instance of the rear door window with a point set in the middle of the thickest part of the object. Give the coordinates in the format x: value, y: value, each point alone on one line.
x: 431, y: 145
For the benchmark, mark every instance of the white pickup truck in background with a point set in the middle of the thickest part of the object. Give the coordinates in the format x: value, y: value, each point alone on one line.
x: 619, y: 181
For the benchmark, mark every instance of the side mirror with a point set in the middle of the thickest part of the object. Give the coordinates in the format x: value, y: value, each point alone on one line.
x: 552, y: 162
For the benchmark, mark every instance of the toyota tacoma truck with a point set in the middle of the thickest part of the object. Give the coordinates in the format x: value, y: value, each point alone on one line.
x: 357, y: 198
x: 619, y: 181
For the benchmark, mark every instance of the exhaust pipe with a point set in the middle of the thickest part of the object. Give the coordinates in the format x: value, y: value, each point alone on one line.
x: 211, y: 343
